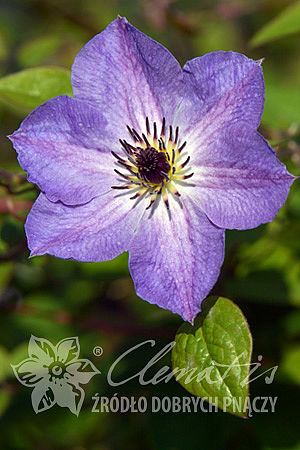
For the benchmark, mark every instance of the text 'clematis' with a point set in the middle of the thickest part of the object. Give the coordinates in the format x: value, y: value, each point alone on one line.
x: 152, y: 159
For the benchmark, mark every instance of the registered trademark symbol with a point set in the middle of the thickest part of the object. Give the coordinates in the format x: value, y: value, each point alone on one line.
x: 98, y: 351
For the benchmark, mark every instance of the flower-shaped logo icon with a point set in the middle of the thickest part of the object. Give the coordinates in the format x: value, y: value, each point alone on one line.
x: 55, y: 373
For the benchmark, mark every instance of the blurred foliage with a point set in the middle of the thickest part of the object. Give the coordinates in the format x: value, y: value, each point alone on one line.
x: 29, y: 88
x: 287, y: 22
x: 55, y: 299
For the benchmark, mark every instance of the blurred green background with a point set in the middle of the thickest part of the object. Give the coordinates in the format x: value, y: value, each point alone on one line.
x: 54, y: 299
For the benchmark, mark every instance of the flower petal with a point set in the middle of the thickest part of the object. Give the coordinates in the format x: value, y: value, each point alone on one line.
x: 175, y: 262
x: 42, y: 396
x: 239, y: 181
x: 68, y: 395
x: 223, y: 87
x: 64, y: 148
x: 81, y: 371
x: 29, y: 372
x: 67, y: 349
x: 97, y: 231
x: 128, y: 75
x: 41, y: 349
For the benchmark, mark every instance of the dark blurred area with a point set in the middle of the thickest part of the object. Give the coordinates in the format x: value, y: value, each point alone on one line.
x: 54, y: 299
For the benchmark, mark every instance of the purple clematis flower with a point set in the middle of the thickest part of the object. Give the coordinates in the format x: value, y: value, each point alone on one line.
x: 152, y: 159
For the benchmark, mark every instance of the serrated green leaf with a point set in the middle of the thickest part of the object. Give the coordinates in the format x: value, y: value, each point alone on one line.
x: 286, y: 23
x: 211, y: 359
x: 31, y: 87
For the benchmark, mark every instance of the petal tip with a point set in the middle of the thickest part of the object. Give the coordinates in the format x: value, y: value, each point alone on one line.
x: 13, y: 136
x: 260, y: 61
x: 190, y: 316
x: 33, y: 253
x: 122, y: 19
x: 123, y: 22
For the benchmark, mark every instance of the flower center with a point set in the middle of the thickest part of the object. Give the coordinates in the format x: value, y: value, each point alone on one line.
x: 152, y: 165
x: 56, y: 369
x: 155, y: 163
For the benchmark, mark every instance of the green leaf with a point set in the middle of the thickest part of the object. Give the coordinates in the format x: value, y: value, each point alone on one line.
x: 3, y: 48
x: 5, y: 397
x: 31, y: 87
x: 37, y: 51
x: 6, y: 272
x: 18, y: 354
x: 211, y: 359
x: 290, y: 364
x: 286, y: 23
x: 282, y: 100
x: 4, y: 364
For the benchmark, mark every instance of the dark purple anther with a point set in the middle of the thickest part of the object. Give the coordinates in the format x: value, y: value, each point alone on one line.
x: 153, y: 165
